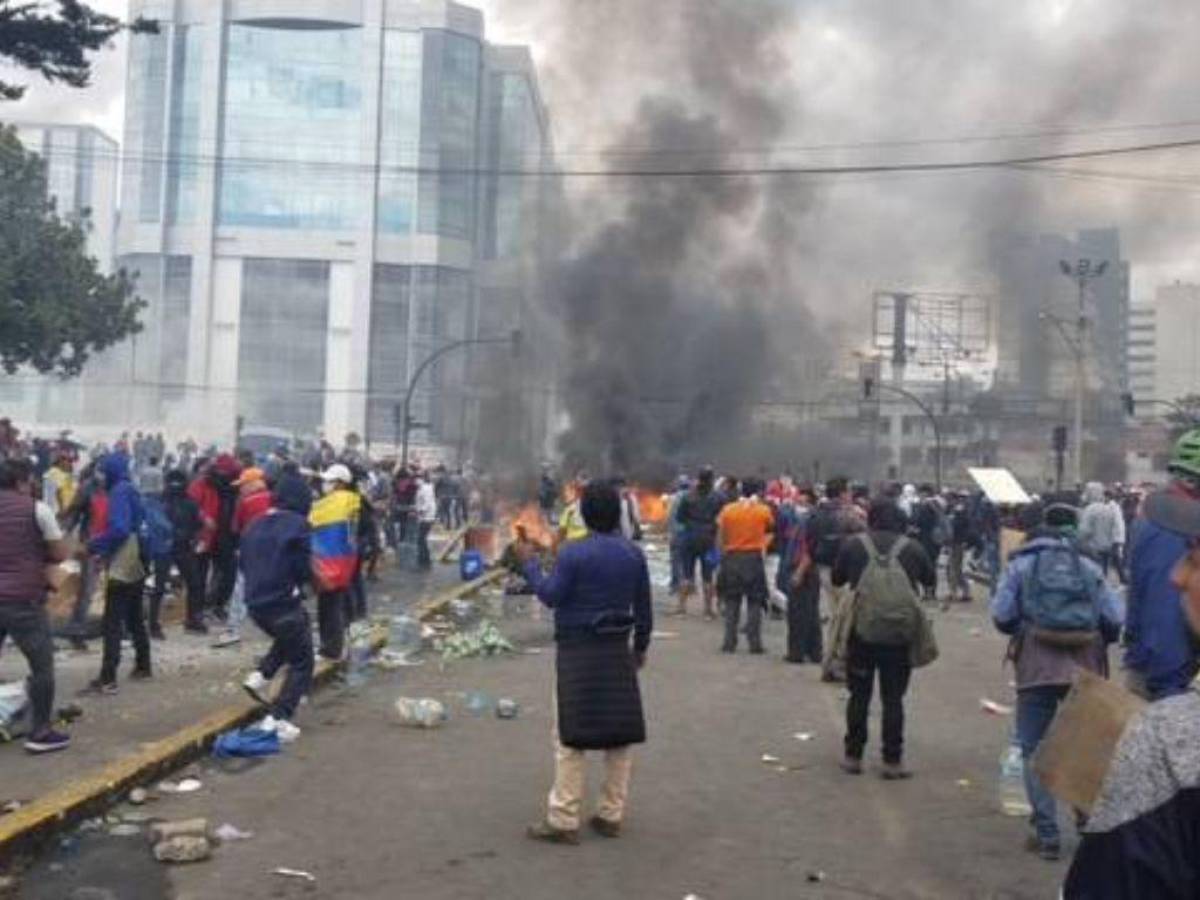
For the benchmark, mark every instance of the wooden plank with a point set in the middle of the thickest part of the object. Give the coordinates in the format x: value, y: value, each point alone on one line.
x: 455, y: 540
x: 425, y: 608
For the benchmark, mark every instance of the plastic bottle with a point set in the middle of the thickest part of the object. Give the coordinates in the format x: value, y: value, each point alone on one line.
x: 423, y: 713
x: 1011, y: 788
x: 357, y: 661
x: 404, y: 634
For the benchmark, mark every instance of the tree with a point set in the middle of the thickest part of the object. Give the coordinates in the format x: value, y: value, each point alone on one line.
x: 56, y: 307
x: 55, y: 41
x: 1184, y: 416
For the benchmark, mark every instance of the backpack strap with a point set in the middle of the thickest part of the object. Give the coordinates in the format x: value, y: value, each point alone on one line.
x: 897, y: 549
x: 872, y: 550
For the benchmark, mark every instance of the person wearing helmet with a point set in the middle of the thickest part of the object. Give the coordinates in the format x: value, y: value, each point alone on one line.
x: 1160, y: 656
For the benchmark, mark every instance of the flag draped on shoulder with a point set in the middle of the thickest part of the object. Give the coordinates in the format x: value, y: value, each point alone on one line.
x: 334, y: 521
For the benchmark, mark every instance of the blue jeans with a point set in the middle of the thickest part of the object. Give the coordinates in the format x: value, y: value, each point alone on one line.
x: 1036, y: 707
x: 291, y: 645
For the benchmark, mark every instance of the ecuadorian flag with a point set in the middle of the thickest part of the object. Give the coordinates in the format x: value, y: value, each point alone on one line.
x: 334, y: 521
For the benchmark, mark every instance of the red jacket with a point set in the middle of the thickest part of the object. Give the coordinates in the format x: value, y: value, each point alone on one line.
x: 205, y: 495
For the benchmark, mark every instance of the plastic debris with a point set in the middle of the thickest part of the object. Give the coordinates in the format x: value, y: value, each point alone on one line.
x: 964, y: 783
x: 391, y: 660
x: 404, y: 633
x: 296, y: 873
x: 183, y: 849
x: 770, y: 760
x: 664, y: 635
x: 136, y: 818
x: 420, y: 713
x: 165, y: 831
x: 10, y: 806
x: 14, y: 701
x: 804, y: 736
x: 816, y: 876
x: 976, y: 632
x: 246, y: 743
x: 994, y: 708
x: 478, y: 703
x: 138, y: 796
x: 186, y: 786
x: 227, y: 834
x: 125, y: 829
x: 484, y: 641
x: 507, y: 708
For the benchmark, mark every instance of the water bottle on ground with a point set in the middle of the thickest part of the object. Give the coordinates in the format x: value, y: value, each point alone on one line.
x: 1013, y: 800
x: 422, y: 713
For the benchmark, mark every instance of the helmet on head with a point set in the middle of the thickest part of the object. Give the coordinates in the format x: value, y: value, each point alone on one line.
x: 1185, y: 459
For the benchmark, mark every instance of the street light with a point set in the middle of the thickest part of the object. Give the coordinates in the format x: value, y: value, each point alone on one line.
x: 514, y: 340
x: 1081, y: 273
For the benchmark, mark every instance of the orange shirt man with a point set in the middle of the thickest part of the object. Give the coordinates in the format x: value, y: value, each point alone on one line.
x: 744, y: 530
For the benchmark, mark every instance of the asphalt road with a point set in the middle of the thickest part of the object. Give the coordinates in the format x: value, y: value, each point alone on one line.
x: 375, y: 810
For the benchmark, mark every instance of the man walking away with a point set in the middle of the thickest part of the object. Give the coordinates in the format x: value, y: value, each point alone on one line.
x: 334, y: 521
x: 932, y: 530
x: 834, y: 520
x: 1101, y: 528
x: 184, y: 516
x: 30, y: 538
x: 119, y: 549
x: 960, y: 541
x: 1061, y: 613
x: 697, y: 515
x: 744, y: 528
x: 1120, y: 533
x: 885, y: 570
x: 1160, y: 654
x: 600, y: 593
x: 276, y: 565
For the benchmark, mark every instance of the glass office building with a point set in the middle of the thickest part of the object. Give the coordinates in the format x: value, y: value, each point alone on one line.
x: 310, y: 196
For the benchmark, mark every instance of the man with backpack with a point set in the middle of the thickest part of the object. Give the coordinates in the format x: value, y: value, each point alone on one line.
x: 158, y: 541
x: 931, y: 527
x: 835, y: 519
x: 885, y: 569
x: 1062, y: 615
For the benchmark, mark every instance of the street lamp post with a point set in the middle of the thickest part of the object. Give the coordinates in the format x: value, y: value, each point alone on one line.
x: 513, y: 339
x: 1081, y: 273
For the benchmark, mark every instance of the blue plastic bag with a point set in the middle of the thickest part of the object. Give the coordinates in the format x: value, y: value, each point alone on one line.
x: 471, y: 565
x: 246, y: 742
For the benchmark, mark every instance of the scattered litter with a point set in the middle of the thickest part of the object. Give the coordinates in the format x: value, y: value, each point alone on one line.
x: 507, y: 708
x: 125, y: 829
x: 693, y: 897
x: 533, y: 651
x: 10, y: 806
x: 770, y: 760
x: 296, y: 873
x: 138, y: 796
x: 183, y: 849
x: 975, y: 632
x: 227, y: 638
x: 391, y: 660
x: 227, y: 834
x: 422, y: 713
x: 136, y: 818
x: 186, y: 786
x: 664, y: 635
x: 994, y: 708
x: 816, y: 877
x: 804, y: 736
x: 14, y: 701
x: 478, y: 703
x: 964, y: 783
x: 70, y: 713
x: 246, y: 743
x: 486, y: 640
x: 165, y: 831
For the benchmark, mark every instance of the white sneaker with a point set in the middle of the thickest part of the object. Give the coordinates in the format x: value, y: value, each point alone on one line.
x: 286, y: 731
x: 256, y: 686
x: 269, y: 723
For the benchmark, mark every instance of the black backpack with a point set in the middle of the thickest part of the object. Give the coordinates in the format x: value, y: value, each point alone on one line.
x: 825, y: 536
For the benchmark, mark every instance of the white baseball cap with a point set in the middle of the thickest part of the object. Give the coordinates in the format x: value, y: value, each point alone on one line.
x: 338, y: 472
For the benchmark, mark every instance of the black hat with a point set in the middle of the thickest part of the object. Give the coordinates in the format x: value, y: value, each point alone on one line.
x: 1174, y: 512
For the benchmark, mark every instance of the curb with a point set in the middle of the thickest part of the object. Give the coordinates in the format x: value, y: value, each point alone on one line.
x: 24, y: 830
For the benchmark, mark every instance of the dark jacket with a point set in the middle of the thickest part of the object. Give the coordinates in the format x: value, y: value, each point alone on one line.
x: 275, y: 559
x: 853, y: 559
x: 22, y: 551
x: 184, y: 515
x: 125, y: 512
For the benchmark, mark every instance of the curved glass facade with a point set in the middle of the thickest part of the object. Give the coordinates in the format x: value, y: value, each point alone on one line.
x: 292, y: 125
x: 399, y: 131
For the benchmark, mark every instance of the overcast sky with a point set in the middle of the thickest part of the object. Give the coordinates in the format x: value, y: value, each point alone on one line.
x: 884, y: 70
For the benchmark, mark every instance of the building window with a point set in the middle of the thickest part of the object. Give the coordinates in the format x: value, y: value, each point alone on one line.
x: 183, y: 165
x: 293, y: 116
x: 281, y: 343
x: 449, y: 119
x: 388, y: 359
x: 146, y: 118
x: 400, y: 131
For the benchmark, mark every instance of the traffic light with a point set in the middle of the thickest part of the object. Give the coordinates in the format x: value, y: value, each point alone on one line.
x: 1059, y: 438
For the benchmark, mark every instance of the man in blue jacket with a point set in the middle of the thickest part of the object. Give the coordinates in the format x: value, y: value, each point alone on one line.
x: 118, y: 547
x: 1160, y: 655
x: 276, y: 564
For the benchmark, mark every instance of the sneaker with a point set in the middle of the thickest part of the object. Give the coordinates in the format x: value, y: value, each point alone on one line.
x: 851, y: 766
x: 96, y: 686
x: 895, y: 772
x: 547, y: 833
x: 226, y: 638
x: 287, y: 732
x: 256, y: 686
x: 141, y: 675
x: 605, y: 828
x: 1050, y: 851
x: 48, y: 741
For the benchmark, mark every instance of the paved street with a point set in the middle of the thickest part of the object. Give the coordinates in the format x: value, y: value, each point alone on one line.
x: 373, y: 809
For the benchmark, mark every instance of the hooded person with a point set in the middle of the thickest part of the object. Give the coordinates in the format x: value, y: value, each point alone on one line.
x: 184, y: 516
x: 119, y: 550
x: 1161, y: 659
x: 1061, y: 614
x: 276, y: 565
x: 253, y: 498
x: 1141, y: 839
x: 1101, y: 527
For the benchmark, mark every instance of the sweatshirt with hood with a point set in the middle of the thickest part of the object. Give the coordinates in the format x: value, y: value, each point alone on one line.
x: 276, y: 551
x: 125, y: 513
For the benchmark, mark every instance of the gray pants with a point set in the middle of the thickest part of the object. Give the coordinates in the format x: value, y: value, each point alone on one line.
x: 29, y: 627
x: 742, y: 576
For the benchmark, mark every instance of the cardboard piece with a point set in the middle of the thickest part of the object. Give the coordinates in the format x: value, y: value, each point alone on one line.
x: 1000, y: 486
x: 1075, y: 754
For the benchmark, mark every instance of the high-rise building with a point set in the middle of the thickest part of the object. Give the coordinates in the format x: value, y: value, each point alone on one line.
x: 311, y: 195
x: 1143, y: 363
x: 81, y: 177
x: 1176, y: 341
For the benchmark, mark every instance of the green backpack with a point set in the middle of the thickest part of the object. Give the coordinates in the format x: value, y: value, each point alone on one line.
x: 887, y: 611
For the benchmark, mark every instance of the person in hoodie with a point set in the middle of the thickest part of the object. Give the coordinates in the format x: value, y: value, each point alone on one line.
x: 1101, y: 528
x: 214, y: 492
x: 1142, y: 839
x: 118, y: 548
x: 1046, y: 660
x: 184, y: 516
x: 276, y: 563
x: 1161, y: 658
